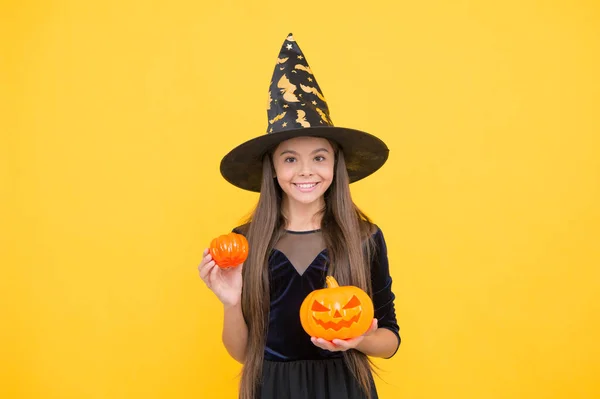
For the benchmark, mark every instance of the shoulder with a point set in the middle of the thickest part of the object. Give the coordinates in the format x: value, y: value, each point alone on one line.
x: 372, y: 232
x: 242, y: 229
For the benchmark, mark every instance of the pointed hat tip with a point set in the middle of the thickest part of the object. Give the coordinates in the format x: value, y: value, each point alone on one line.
x: 290, y: 38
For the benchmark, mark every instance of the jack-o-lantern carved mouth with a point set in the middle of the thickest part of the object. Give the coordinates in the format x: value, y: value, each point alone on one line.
x: 336, y: 326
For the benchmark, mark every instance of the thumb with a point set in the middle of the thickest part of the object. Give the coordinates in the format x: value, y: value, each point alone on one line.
x: 373, y: 327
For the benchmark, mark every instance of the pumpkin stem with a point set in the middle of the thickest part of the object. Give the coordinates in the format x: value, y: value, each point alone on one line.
x: 331, y: 282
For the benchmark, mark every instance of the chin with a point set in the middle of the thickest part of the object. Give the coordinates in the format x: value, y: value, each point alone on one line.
x: 305, y: 201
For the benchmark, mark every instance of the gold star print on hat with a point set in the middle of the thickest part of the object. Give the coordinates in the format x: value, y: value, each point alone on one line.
x: 295, y: 98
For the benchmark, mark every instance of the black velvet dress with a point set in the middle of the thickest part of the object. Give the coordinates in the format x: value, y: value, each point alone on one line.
x: 293, y: 367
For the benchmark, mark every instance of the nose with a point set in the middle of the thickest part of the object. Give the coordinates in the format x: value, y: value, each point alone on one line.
x: 305, y: 169
x: 337, y: 313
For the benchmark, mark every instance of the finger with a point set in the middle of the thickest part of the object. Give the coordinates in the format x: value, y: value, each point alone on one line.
x: 206, y: 269
x: 232, y: 269
x: 329, y: 345
x: 207, y: 258
x: 373, y: 328
x: 316, y: 343
x: 343, y: 344
x: 346, y: 344
x: 212, y: 275
x: 324, y: 344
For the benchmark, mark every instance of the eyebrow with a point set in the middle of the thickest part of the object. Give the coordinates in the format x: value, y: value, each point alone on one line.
x: 295, y: 153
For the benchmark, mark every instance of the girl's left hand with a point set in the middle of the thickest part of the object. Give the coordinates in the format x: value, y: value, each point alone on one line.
x: 339, y: 345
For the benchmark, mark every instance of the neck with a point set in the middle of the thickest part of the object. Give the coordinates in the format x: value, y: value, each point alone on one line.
x: 302, y: 217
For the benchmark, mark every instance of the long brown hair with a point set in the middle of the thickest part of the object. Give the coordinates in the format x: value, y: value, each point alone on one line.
x: 346, y: 231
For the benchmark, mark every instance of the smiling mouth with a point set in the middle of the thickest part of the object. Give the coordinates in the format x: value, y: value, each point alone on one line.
x: 305, y: 186
x: 336, y: 326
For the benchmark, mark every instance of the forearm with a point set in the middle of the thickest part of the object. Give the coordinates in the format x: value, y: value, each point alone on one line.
x: 235, y: 332
x: 381, y: 343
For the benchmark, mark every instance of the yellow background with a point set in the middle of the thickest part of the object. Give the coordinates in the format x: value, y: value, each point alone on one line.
x: 114, y: 116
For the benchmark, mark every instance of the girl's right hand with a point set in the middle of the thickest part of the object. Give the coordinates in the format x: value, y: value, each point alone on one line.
x: 225, y: 283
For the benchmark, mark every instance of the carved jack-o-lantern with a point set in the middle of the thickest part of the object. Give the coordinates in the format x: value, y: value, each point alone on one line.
x: 336, y: 312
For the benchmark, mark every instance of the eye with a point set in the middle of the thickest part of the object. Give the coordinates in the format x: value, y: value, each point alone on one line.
x: 319, y: 158
x: 317, y: 307
x: 353, y: 303
x: 289, y: 159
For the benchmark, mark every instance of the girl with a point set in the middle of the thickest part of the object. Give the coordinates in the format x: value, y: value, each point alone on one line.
x: 304, y: 228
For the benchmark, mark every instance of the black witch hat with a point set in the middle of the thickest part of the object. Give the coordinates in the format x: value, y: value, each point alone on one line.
x: 297, y: 108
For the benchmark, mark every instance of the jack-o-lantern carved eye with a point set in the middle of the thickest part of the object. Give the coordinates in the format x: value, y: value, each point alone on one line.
x: 317, y: 307
x: 352, y: 303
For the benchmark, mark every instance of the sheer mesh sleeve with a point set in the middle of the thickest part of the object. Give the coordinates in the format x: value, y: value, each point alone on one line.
x: 383, y: 296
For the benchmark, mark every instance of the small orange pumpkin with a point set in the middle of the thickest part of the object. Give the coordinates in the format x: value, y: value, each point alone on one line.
x: 336, y: 312
x: 229, y: 250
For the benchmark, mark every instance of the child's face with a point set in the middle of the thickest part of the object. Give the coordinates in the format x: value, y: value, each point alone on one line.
x: 304, y: 168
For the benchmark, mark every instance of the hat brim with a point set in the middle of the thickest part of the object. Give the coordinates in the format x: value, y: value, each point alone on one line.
x: 364, y: 154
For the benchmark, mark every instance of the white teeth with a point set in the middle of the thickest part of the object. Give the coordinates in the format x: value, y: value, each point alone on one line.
x: 306, y: 185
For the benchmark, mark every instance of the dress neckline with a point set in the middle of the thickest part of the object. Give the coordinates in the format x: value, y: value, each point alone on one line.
x: 302, y: 232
